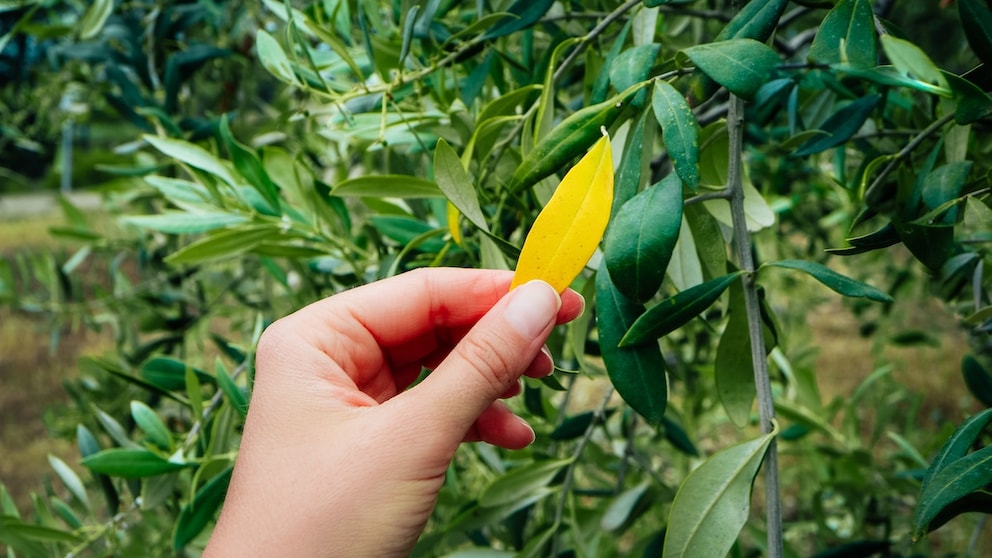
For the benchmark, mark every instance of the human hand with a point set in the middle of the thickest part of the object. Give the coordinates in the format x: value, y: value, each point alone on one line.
x: 338, y: 457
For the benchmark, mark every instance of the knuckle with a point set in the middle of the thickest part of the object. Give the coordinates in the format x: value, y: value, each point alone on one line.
x: 487, y: 356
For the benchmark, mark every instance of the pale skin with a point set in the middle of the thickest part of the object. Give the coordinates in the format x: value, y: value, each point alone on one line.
x: 339, y: 457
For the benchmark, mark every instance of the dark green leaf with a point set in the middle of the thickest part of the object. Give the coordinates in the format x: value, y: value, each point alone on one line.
x: 675, y: 311
x: 641, y: 239
x: 740, y: 65
x: 945, y: 183
x: 170, y: 374
x: 573, y: 427
x: 680, y: 131
x: 195, y: 515
x: 850, y: 26
x: 13, y: 531
x: 407, y: 230
x: 976, y: 502
x: 526, y: 12
x: 958, y: 445
x: 632, y: 66
x: 973, y: 103
x: 931, y: 245
x: 627, y: 181
x: 837, y: 282
x: 856, y: 549
x: 387, y: 186
x: 713, y: 502
x: 841, y: 126
x: 756, y: 20
x: 976, y: 18
x: 130, y: 463
x: 677, y: 436
x: 978, y: 380
x: 638, y: 373
x: 953, y: 482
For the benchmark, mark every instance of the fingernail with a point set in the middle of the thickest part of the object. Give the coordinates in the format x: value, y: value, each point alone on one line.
x: 529, y: 428
x: 532, y: 307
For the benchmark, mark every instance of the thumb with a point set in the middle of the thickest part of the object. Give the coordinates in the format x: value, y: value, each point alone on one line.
x: 491, y: 357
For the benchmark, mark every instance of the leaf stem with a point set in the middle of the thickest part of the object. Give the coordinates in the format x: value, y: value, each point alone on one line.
x: 762, y: 381
x: 724, y: 194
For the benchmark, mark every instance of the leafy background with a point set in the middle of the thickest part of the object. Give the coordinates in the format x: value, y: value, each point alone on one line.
x: 779, y: 164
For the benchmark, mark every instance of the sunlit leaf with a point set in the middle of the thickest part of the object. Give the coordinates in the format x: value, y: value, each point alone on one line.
x: 680, y: 131
x: 837, y: 282
x: 713, y: 502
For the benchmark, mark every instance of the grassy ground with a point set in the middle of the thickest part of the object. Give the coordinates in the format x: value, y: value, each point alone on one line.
x: 31, y: 374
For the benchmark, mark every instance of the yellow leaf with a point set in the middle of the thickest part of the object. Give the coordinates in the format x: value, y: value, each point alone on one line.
x: 568, y: 229
x: 454, y: 227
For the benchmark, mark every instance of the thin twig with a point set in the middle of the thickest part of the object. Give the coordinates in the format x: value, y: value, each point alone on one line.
x: 566, y: 484
x: 724, y: 194
x: 905, y: 152
x: 762, y: 381
x: 592, y: 34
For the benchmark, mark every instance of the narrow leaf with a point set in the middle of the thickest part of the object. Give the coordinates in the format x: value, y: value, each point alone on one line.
x: 151, y: 425
x: 676, y: 311
x: 94, y: 18
x: 223, y: 244
x: 958, y: 445
x: 456, y: 185
x: 955, y: 481
x: 839, y: 283
x: 641, y: 239
x: 841, y: 126
x: 976, y: 18
x: 521, y: 482
x: 978, y: 380
x: 175, y: 222
x: 638, y: 373
x: 713, y: 502
x: 387, y: 186
x: 130, y: 463
x: 195, y: 515
x: 70, y: 479
x: 733, y: 367
x: 192, y: 155
x: 680, y: 131
x: 569, y: 228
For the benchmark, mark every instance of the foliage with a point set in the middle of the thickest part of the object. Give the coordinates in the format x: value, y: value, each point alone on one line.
x: 425, y: 134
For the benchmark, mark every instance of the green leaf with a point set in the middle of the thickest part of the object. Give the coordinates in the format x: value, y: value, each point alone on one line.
x: 841, y: 126
x: 733, y: 366
x: 195, y: 515
x: 641, y: 239
x: 525, y: 13
x: 521, y: 482
x: 13, y: 531
x: 973, y: 103
x: 978, y: 380
x: 174, y: 222
x: 638, y: 373
x: 151, y: 425
x: 387, y: 186
x: 944, y: 184
x: 846, y: 36
x: 572, y: 137
x: 678, y: 437
x: 713, y: 502
x: 632, y: 66
x: 837, y: 282
x: 192, y: 155
x: 957, y: 445
x: 223, y: 244
x: 456, y: 185
x: 274, y: 59
x: 908, y: 59
x: 94, y: 19
x: 676, y: 311
x: 573, y: 427
x: 70, y: 479
x: 250, y: 167
x: 680, y: 131
x: 976, y: 18
x: 130, y: 463
x: 953, y: 482
x: 740, y: 65
x: 622, y: 507
x: 756, y: 20
x: 170, y: 374
x: 231, y: 390
x: 632, y: 166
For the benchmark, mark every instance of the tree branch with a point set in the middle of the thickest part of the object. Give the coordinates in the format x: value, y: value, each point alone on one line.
x: 762, y: 381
